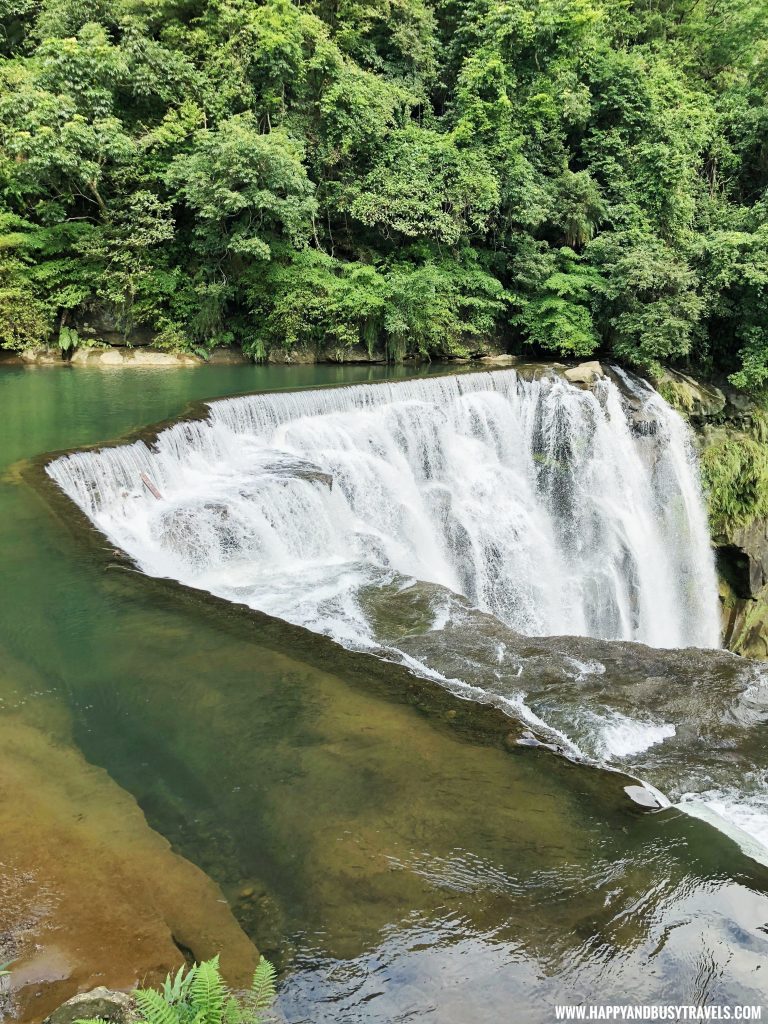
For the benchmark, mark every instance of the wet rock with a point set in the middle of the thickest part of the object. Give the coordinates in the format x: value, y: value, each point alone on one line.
x: 102, y: 1003
x: 299, y: 469
x: 745, y: 550
x: 584, y: 373
x: 643, y: 797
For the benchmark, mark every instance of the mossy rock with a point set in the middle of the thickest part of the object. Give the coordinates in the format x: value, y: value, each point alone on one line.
x: 690, y: 397
x: 752, y: 641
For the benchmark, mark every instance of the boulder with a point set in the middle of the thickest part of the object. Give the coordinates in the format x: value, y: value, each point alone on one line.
x: 104, y: 1003
x: 692, y: 397
x: 584, y: 373
x: 42, y: 356
x: 503, y: 359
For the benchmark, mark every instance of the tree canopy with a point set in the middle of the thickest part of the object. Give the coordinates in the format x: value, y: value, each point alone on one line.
x: 418, y: 176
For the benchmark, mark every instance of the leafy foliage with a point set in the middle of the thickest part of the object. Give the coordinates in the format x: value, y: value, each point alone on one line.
x: 200, y: 996
x: 735, y: 474
x: 417, y: 176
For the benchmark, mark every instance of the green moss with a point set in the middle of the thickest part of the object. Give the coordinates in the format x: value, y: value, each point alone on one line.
x: 752, y: 641
x: 677, y: 394
x: 735, y: 474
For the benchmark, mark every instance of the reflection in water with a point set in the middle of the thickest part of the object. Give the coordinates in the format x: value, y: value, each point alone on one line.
x: 391, y: 866
x: 395, y: 869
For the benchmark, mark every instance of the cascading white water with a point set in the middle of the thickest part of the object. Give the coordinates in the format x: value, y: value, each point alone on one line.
x: 435, y: 521
x: 558, y: 510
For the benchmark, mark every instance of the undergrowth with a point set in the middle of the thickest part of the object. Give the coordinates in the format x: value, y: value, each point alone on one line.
x: 735, y: 475
x: 199, y: 995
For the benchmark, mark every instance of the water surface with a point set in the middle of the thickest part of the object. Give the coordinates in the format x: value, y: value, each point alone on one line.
x: 395, y: 869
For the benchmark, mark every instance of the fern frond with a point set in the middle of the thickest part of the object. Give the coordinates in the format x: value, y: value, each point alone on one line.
x: 207, y: 992
x: 232, y: 1013
x: 154, y: 1009
x: 263, y: 990
x: 175, y: 987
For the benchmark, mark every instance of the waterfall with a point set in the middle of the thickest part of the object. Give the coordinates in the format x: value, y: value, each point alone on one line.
x: 557, y: 510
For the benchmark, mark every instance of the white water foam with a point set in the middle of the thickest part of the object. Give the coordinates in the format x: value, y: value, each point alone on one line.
x: 742, y: 817
x: 622, y: 736
x: 550, y: 507
x: 556, y: 510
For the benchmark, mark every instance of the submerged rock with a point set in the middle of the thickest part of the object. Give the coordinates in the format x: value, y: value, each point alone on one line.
x: 89, y: 893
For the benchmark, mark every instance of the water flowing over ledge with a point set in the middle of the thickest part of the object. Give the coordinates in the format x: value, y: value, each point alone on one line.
x: 559, y: 511
x: 489, y: 531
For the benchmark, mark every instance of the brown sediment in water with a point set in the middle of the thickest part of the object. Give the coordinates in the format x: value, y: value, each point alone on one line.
x: 89, y: 893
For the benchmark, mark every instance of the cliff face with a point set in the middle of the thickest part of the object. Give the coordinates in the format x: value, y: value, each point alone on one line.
x: 731, y: 432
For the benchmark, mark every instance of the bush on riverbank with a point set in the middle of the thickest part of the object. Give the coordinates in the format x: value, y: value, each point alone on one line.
x: 410, y: 175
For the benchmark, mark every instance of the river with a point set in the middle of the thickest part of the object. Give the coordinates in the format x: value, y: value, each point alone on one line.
x: 394, y: 866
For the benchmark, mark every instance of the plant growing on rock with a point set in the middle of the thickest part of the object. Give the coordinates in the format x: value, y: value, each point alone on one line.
x: 199, y: 995
x: 735, y: 475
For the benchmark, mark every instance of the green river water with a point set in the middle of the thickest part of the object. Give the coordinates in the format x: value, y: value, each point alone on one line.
x: 402, y: 869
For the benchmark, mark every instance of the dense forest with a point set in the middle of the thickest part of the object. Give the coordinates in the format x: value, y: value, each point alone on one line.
x: 419, y: 176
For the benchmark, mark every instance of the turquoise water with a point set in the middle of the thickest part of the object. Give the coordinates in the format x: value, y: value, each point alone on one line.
x: 394, y: 866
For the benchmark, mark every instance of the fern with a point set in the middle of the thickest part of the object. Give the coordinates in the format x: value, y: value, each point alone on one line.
x: 207, y: 993
x: 199, y: 996
x: 175, y: 988
x: 154, y: 1009
x: 233, y: 1013
x: 735, y: 475
x: 263, y: 991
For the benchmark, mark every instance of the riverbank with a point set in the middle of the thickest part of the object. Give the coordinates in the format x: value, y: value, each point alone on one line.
x: 144, y: 356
